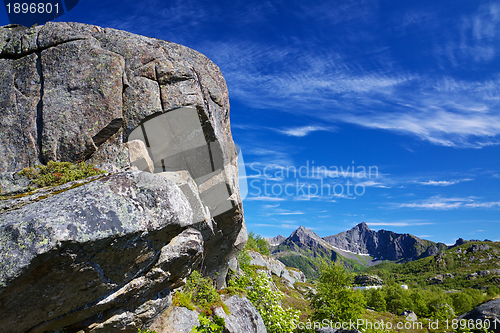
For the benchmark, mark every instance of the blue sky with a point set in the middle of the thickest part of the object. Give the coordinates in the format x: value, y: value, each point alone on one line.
x: 409, y: 89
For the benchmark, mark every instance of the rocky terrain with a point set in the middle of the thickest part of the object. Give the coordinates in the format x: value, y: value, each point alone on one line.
x: 103, y: 254
x: 358, y: 248
x: 242, y: 317
x: 383, y: 244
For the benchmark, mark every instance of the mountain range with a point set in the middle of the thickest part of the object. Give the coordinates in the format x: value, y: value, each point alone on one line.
x: 358, y: 247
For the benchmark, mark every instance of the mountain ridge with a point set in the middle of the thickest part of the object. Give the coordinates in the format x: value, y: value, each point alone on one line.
x: 384, y: 244
x: 357, y: 248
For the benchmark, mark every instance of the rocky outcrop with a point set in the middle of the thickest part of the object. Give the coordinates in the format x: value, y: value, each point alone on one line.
x: 103, y: 254
x: 276, y: 267
x: 384, y: 244
x: 368, y: 280
x: 489, y: 311
x: 176, y: 320
x: 275, y: 241
x: 242, y: 317
x: 409, y: 315
x: 73, y: 92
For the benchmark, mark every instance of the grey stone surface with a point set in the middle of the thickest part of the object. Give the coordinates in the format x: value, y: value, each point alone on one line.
x: 72, y: 92
x: 138, y: 155
x: 243, y: 316
x: 489, y: 311
x: 409, y: 315
x: 176, y: 320
x: 277, y: 268
x: 103, y: 255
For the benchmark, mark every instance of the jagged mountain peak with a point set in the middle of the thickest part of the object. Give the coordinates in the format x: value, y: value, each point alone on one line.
x: 275, y: 241
x: 362, y: 226
x: 304, y: 232
x: 382, y: 244
x: 303, y: 235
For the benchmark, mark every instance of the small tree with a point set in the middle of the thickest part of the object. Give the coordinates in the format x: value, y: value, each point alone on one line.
x: 375, y: 299
x: 335, y: 300
x: 257, y: 243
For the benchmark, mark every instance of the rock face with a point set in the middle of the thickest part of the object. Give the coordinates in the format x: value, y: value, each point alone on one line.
x: 368, y: 280
x: 276, y: 267
x: 275, y: 241
x: 176, y: 320
x: 242, y: 317
x: 489, y: 311
x: 409, y: 315
x: 384, y: 244
x: 107, y: 253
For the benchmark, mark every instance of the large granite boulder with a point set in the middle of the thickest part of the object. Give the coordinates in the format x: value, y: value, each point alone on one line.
x: 102, y: 255
x: 176, y: 320
x: 75, y: 92
x: 242, y: 317
x: 487, y: 313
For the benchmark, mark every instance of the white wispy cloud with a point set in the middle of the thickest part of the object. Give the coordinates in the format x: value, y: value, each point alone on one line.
x: 441, y: 109
x: 303, y: 131
x: 442, y: 182
x: 289, y: 213
x: 441, y: 203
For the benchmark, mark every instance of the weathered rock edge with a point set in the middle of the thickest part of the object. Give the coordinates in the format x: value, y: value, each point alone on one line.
x: 102, y: 257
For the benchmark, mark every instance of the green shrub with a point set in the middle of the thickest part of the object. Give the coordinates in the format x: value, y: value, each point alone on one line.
x: 58, y: 173
x: 199, y: 293
x: 201, y: 290
x: 213, y: 324
x: 233, y: 290
x: 182, y: 299
x: 335, y: 300
x: 375, y: 299
x: 244, y: 260
x: 257, y: 243
x: 267, y: 300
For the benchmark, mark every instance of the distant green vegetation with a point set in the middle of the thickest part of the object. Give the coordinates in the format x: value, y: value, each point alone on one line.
x: 441, y: 287
x: 306, y: 264
x: 432, y: 302
x: 335, y: 300
x: 456, y: 268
